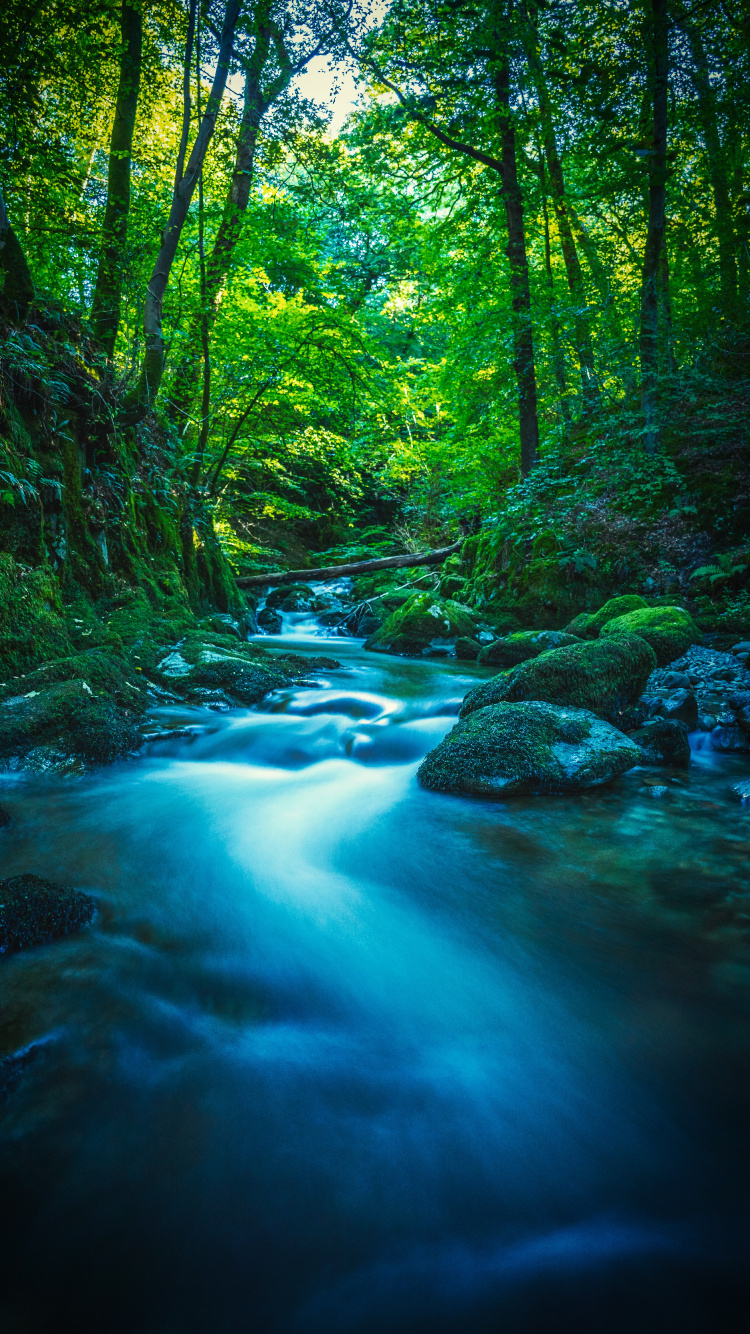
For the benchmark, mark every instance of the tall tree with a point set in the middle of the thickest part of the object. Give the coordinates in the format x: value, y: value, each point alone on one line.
x: 656, y: 36
x: 581, y: 324
x: 269, y: 69
x: 715, y: 157
x: 152, y: 367
x: 105, y: 306
x: 18, y: 286
x: 489, y: 43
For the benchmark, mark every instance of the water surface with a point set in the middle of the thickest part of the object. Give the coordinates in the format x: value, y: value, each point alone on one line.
x: 342, y: 1056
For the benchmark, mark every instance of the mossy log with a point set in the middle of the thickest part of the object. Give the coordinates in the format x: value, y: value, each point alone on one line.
x: 358, y: 567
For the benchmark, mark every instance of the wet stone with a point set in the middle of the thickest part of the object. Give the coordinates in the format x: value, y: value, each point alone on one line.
x: 33, y: 910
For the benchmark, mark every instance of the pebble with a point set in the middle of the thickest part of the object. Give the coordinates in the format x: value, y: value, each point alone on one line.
x: 741, y: 790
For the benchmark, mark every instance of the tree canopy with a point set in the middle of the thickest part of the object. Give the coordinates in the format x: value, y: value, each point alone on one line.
x: 515, y: 284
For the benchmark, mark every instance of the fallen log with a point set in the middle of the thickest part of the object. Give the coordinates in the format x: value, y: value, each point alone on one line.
x: 358, y: 567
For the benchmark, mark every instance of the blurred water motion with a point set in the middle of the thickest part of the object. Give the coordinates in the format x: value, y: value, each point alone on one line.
x: 341, y: 1055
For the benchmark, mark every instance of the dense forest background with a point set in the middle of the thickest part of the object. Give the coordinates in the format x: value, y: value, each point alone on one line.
x: 509, y: 298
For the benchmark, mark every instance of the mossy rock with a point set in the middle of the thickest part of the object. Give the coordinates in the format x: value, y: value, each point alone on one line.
x: 87, y: 706
x: 669, y: 630
x: 663, y: 741
x: 606, y: 676
x: 47, y: 727
x: 534, y: 747
x: 467, y: 650
x: 33, y: 911
x: 290, y: 597
x: 451, y: 585
x: 425, y: 618
x: 246, y: 682
x: 589, y: 624
x: 525, y: 644
x: 579, y: 625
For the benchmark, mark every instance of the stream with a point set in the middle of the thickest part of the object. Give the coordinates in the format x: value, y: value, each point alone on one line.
x: 342, y: 1056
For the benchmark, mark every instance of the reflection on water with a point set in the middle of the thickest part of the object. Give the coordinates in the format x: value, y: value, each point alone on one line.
x: 341, y: 1055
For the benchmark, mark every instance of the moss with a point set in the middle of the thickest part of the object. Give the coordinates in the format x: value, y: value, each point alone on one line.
x: 411, y: 629
x: 589, y: 624
x: 33, y: 911
x: 579, y: 625
x: 669, y: 630
x: 515, y: 648
x: 31, y: 624
x: 531, y: 747
x: 605, y: 676
x: 246, y: 681
x: 467, y: 650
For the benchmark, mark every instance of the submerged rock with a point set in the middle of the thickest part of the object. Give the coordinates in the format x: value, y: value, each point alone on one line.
x: 533, y: 747
x: 730, y: 739
x: 663, y: 741
x: 33, y: 910
x: 669, y: 630
x: 424, y: 623
x: 525, y: 644
x: 606, y: 676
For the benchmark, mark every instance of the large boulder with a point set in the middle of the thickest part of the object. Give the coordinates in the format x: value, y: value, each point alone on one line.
x: 33, y: 910
x: 424, y: 623
x: 606, y: 676
x: 525, y: 644
x: 669, y: 630
x: 663, y: 741
x: 509, y: 749
x: 589, y: 626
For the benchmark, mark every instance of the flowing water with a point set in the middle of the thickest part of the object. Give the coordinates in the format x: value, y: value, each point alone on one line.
x: 341, y: 1056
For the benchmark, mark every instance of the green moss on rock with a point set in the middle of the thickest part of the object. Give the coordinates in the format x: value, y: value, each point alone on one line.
x: 515, y: 648
x: 619, y: 606
x: 605, y: 676
x: 669, y: 630
x: 33, y: 911
x: 534, y: 747
x: 411, y: 629
x: 467, y: 649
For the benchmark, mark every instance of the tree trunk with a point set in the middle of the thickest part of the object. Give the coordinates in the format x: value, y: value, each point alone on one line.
x: 656, y: 36
x: 256, y: 103
x: 665, y: 302
x: 18, y: 286
x: 558, y: 357
x: 581, y: 325
x: 717, y: 164
x: 523, y: 339
x: 152, y: 368
x: 219, y: 262
x: 358, y: 567
x: 105, y: 307
x: 603, y: 286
